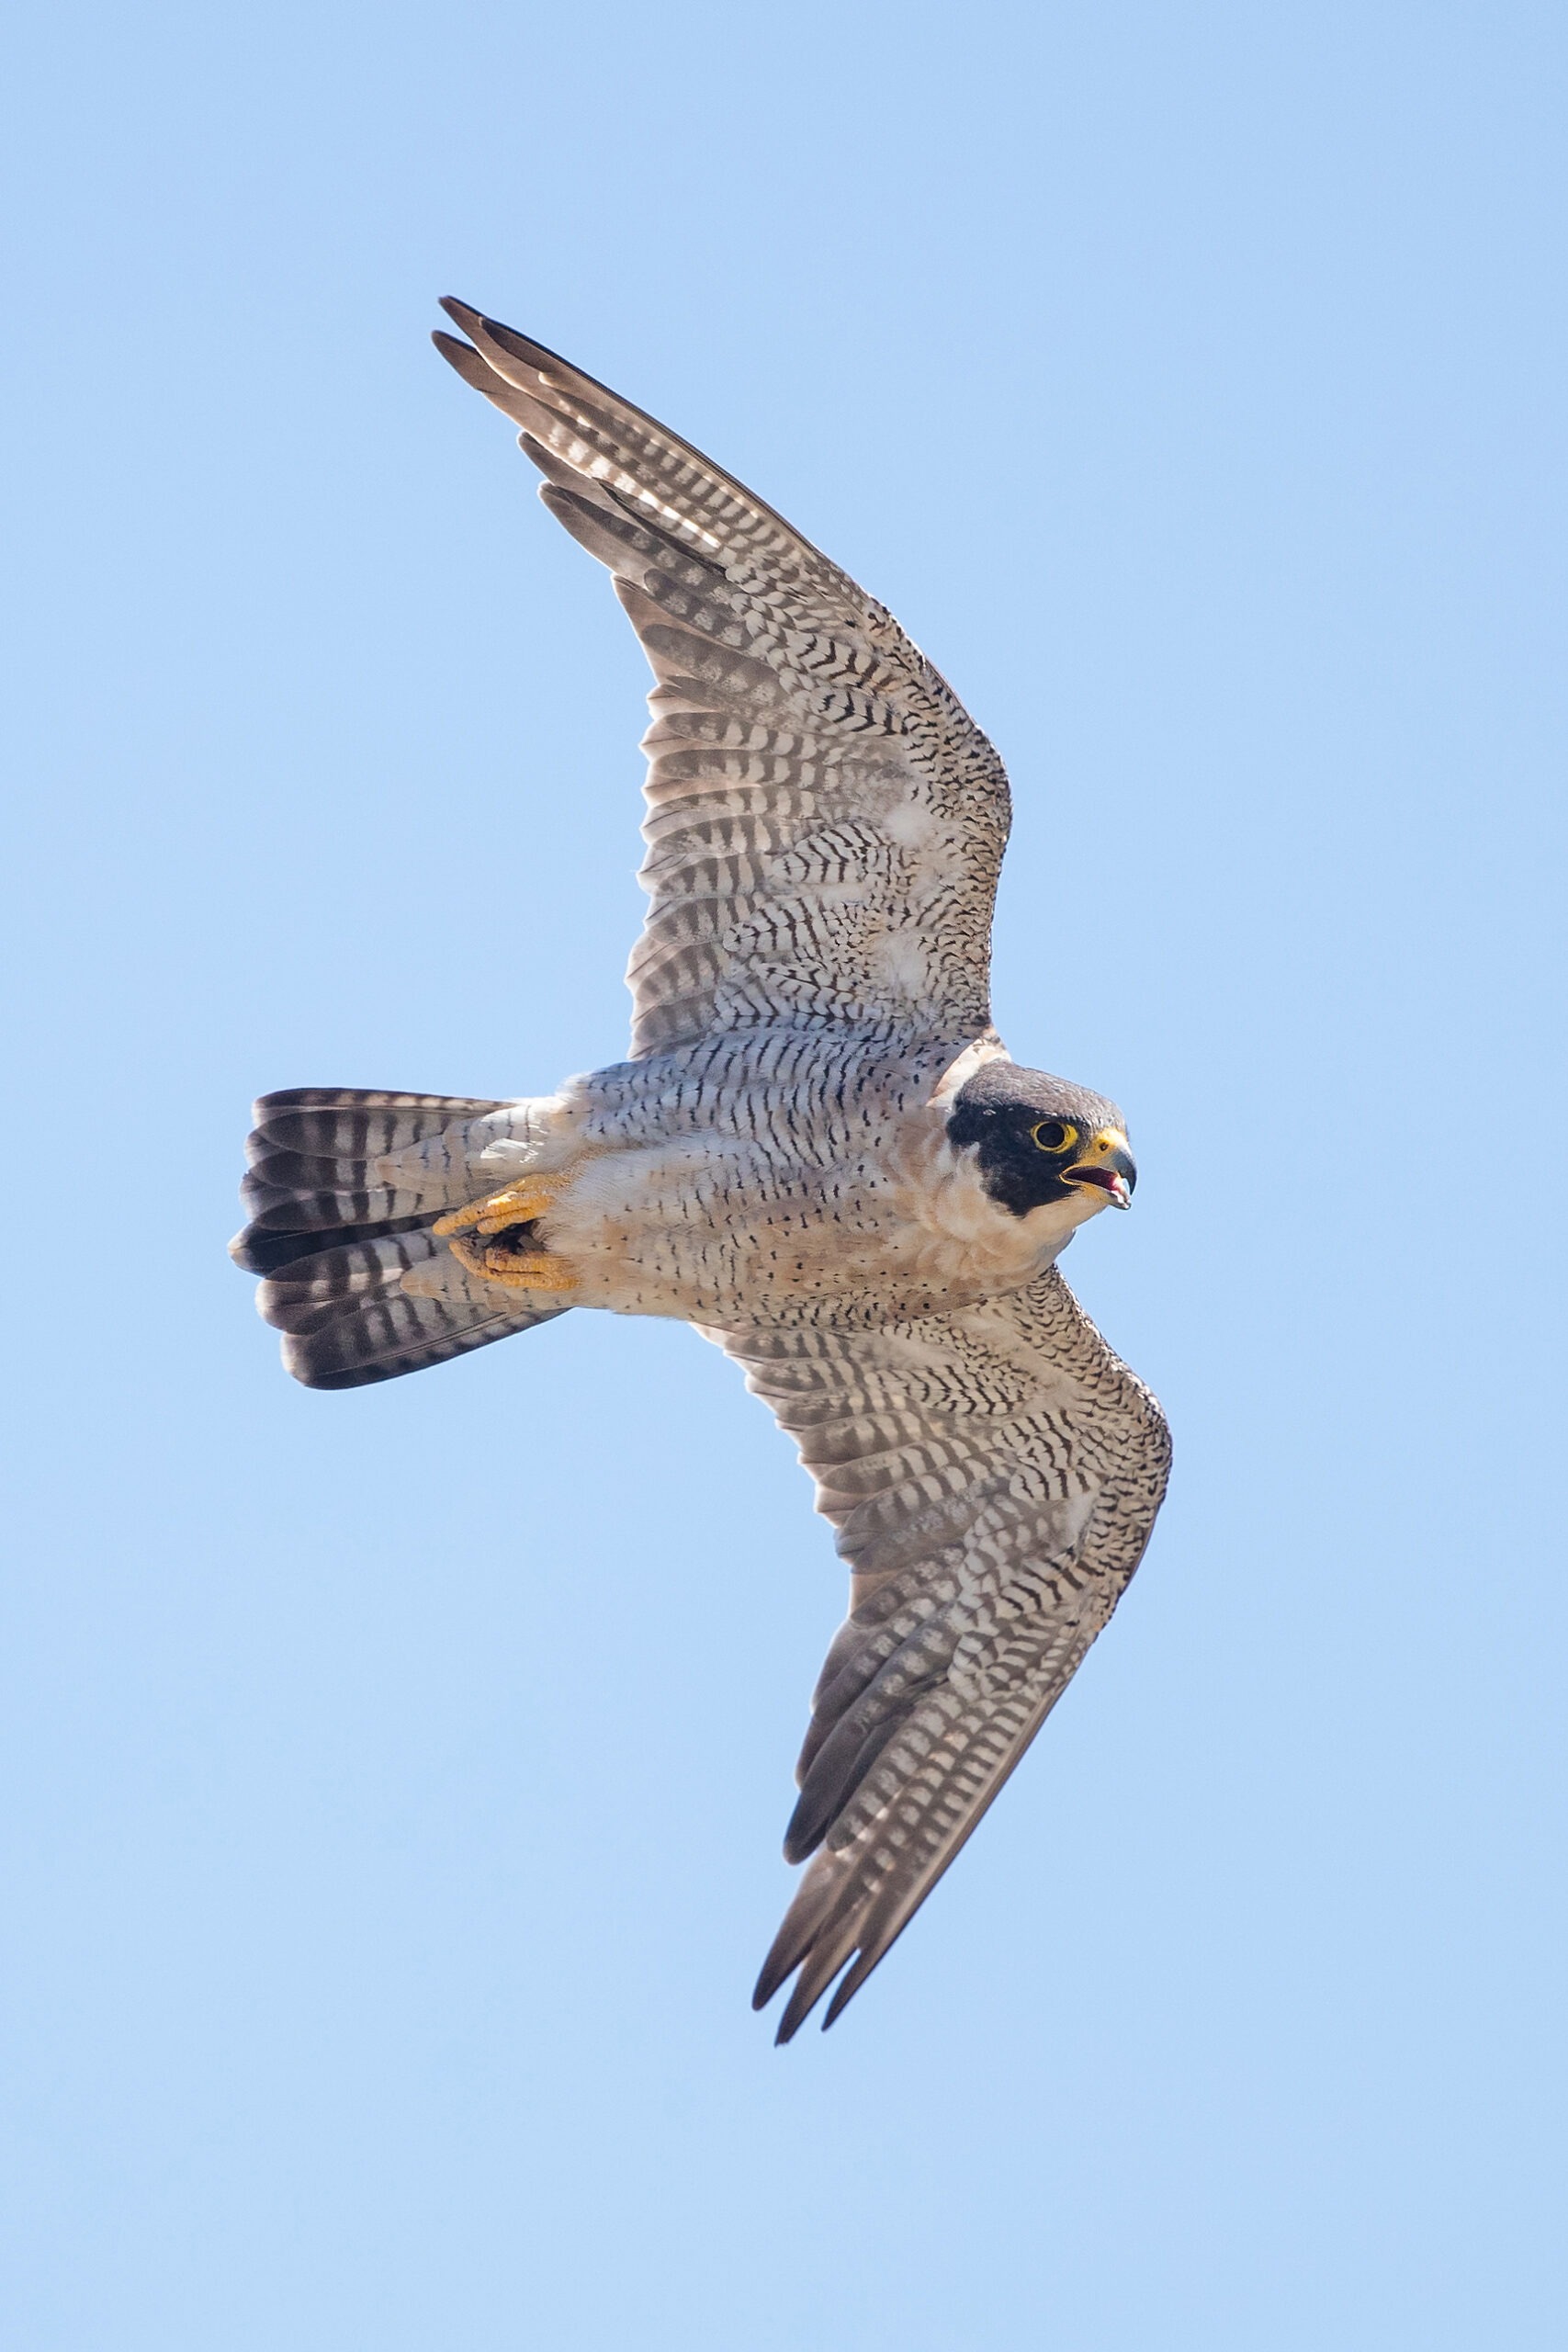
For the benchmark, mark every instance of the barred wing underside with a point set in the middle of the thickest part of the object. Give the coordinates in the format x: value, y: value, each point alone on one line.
x: 825, y: 821
x: 994, y: 1476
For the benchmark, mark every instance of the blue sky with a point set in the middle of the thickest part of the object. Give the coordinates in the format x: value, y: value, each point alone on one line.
x: 395, y: 1779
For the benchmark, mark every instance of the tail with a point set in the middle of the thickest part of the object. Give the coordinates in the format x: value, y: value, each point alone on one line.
x: 342, y: 1189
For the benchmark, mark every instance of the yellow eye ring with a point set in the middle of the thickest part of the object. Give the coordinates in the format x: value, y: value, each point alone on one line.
x: 1054, y: 1134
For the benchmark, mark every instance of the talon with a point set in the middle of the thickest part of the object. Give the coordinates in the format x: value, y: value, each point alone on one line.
x: 518, y: 1204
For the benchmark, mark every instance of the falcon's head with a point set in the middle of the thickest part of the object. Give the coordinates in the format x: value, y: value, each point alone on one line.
x: 1038, y: 1140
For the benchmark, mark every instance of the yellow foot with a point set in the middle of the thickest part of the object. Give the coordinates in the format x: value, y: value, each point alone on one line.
x: 516, y: 1269
x: 518, y: 1205
x: 470, y: 1232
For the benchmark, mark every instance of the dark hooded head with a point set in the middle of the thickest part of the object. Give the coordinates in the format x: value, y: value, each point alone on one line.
x: 1038, y: 1139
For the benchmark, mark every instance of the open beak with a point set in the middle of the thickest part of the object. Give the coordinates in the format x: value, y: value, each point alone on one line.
x: 1109, y: 1166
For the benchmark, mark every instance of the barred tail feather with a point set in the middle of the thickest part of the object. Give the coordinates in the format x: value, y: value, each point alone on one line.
x: 343, y: 1188
x: 374, y: 1310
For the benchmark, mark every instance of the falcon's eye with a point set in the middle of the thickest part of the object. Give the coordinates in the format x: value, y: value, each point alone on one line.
x: 1054, y: 1134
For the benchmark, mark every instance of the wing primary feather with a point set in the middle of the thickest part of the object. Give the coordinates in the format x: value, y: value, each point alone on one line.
x: 569, y: 381
x: 841, y: 1763
x: 813, y: 1901
x: 818, y: 1969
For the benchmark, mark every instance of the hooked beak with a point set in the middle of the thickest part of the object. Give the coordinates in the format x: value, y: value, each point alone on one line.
x: 1109, y: 1166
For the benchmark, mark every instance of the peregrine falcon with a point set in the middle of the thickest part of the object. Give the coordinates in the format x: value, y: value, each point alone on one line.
x: 819, y: 1152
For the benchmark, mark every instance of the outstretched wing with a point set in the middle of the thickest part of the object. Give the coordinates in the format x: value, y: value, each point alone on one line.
x: 994, y: 1476
x: 825, y: 821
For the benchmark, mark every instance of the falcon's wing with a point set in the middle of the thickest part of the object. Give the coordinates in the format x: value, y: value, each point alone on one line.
x: 994, y: 1476
x: 825, y: 821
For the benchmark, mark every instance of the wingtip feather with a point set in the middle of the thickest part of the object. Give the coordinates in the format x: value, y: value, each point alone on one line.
x: 849, y: 1985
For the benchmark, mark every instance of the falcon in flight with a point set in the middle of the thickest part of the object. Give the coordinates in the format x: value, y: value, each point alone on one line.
x: 819, y: 1152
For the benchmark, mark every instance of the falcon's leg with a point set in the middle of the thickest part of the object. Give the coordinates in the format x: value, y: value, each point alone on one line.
x: 517, y: 1204
x: 492, y: 1237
